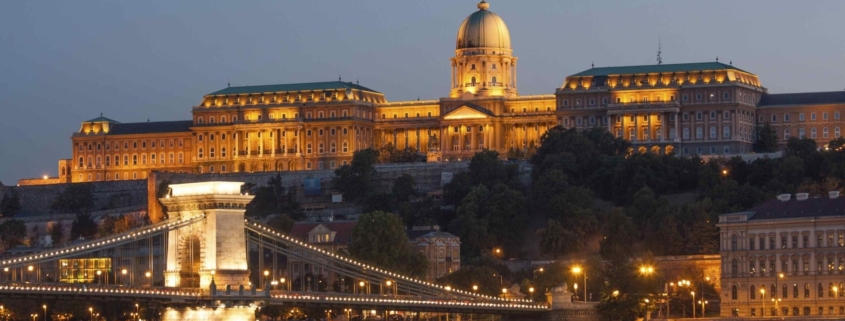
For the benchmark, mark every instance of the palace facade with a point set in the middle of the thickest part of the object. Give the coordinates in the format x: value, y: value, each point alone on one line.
x: 785, y: 257
x: 685, y: 109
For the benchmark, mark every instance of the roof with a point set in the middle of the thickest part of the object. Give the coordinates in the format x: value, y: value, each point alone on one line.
x: 830, y: 97
x: 483, y: 29
x: 624, y: 70
x: 326, y: 85
x: 811, y: 207
x: 102, y: 119
x: 342, y: 229
x: 151, y: 127
x: 417, y: 234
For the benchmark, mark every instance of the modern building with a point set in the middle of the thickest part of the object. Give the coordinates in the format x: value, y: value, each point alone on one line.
x: 785, y: 257
x: 705, y: 108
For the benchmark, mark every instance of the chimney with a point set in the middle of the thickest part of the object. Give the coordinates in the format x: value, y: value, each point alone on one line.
x: 833, y: 194
x: 784, y: 197
x: 801, y: 196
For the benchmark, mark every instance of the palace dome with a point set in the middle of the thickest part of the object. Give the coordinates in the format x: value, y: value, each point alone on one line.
x: 483, y: 29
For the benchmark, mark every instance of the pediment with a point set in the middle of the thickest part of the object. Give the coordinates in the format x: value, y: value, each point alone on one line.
x: 319, y: 229
x: 467, y: 111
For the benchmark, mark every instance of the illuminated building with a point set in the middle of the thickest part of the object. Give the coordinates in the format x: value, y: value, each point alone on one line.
x: 785, y: 257
x: 706, y: 108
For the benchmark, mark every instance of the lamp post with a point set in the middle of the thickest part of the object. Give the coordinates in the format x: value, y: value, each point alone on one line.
x: 91, y: 310
x: 283, y: 281
x: 775, y: 297
x: 578, y: 270
x: 541, y: 270
x: 124, y: 272
x: 266, y: 273
x: 45, y: 312
x: 34, y: 315
x: 763, y: 299
x: 137, y: 311
x: 693, y: 303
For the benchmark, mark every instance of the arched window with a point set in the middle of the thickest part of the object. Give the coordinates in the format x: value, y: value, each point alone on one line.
x: 494, y: 81
x: 806, y: 290
x: 473, y: 81
x: 734, y: 267
x: 830, y: 290
x: 686, y: 133
x: 712, y: 132
x: 753, y: 292
x: 726, y: 132
x: 801, y: 117
x: 801, y: 133
x: 813, y: 132
x: 733, y: 242
x: 699, y: 133
x: 786, y: 134
x: 825, y: 133
x: 81, y: 161
x: 836, y: 132
x: 821, y: 290
x: 733, y: 292
x: 784, y: 291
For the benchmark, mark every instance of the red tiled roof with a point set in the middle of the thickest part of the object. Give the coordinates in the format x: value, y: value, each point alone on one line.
x: 342, y: 229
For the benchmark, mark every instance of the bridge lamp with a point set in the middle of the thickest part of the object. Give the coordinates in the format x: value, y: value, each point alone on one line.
x: 30, y: 268
x: 45, y: 312
x: 124, y: 271
x: 91, y: 310
x: 448, y: 288
x: 475, y: 288
x: 504, y: 290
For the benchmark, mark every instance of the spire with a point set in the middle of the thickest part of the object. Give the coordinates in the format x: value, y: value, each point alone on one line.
x: 483, y: 5
x: 717, y: 58
x: 228, y: 84
x: 592, y: 65
x: 338, y: 78
x: 659, y: 47
x: 731, y: 62
x: 101, y: 114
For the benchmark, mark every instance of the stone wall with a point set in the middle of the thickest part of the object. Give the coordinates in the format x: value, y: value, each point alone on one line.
x: 38, y: 181
x: 36, y: 199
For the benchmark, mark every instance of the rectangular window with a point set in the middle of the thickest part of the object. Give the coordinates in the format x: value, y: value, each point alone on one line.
x: 751, y: 244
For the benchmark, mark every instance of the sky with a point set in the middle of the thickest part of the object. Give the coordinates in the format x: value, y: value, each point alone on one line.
x: 64, y: 62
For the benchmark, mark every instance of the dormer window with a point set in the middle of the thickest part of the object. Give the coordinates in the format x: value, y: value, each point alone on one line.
x: 472, y: 67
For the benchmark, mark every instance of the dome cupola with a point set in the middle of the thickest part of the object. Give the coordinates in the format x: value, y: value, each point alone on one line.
x: 483, y: 29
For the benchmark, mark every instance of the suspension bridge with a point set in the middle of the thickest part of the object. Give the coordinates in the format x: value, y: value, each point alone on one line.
x: 207, y: 261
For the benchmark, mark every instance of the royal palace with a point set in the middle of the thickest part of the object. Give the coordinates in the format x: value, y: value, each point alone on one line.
x: 702, y: 108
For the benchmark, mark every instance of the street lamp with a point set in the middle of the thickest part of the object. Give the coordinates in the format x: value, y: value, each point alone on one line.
x: 693, y: 303
x: 123, y: 272
x: 541, y: 270
x: 578, y: 270
x: 266, y: 273
x: 45, y: 312
x: 99, y: 273
x: 763, y: 299
x: 137, y: 311
x: 34, y: 315
x: 475, y: 288
x: 91, y: 310
x: 282, y: 281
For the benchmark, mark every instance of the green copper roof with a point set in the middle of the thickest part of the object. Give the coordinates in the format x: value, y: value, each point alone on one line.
x: 625, y: 70
x: 102, y: 119
x: 327, y: 85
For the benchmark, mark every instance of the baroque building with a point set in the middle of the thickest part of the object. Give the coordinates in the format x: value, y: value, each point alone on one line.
x: 705, y: 108
x: 785, y: 257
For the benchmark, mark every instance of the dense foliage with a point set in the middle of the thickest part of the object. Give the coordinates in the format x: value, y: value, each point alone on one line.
x: 379, y: 239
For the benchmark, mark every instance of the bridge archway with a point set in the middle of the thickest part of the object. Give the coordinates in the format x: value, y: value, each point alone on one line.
x: 191, y: 259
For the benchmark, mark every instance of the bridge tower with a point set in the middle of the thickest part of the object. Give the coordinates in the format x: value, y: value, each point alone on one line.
x: 213, y: 249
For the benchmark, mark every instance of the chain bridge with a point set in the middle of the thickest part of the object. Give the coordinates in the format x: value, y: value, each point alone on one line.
x: 206, y: 261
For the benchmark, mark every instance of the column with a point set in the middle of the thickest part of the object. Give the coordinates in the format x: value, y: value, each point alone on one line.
x: 609, y: 124
x: 453, y: 75
x: 473, y: 139
x: 248, y: 146
x: 636, y: 127
x: 677, y: 128
x: 237, y: 145
x: 261, y: 143
x: 275, y: 136
x: 622, y: 124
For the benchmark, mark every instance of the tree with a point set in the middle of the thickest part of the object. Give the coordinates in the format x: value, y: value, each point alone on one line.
x: 283, y: 223
x: 391, y: 154
x: 555, y: 240
x: 10, y: 205
x: 619, y: 237
x: 482, y: 276
x: 767, y: 139
x: 379, y: 239
x: 56, y: 231
x: 404, y: 188
x: 485, y: 168
x: 488, y: 218
x: 355, y: 180
x: 12, y: 233
x: 83, y: 226
x: 272, y: 198
x: 77, y: 198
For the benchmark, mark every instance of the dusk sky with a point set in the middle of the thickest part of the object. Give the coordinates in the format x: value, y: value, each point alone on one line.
x: 63, y: 62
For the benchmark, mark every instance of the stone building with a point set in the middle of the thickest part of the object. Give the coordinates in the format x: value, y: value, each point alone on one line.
x: 785, y: 257
x: 704, y: 108
x: 442, y: 249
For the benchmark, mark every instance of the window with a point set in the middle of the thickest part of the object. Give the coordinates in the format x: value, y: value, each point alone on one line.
x: 733, y: 292
x: 785, y: 117
x: 813, y: 116
x: 686, y: 116
x: 774, y: 118
x: 199, y: 137
x: 786, y: 134
x: 697, y: 96
x: 181, y: 158
x: 699, y: 133
x: 836, y: 132
x: 801, y: 133
x: 800, y: 117
x: 135, y: 159
x: 712, y: 132
x: 308, y: 148
x: 125, y: 160
x: 825, y: 132
x: 199, y: 153
x: 712, y: 115
x: 685, y: 97
x: 210, y: 152
x: 726, y: 132
x: 753, y: 292
x: 686, y: 133
x: 813, y: 133
x: 724, y: 95
x: 699, y: 116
